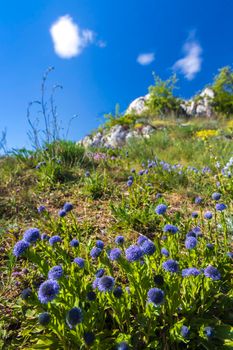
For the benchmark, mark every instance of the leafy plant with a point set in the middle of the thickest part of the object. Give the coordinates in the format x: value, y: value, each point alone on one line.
x: 223, y: 91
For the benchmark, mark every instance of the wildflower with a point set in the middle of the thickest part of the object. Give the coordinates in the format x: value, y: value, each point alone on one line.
x: 171, y: 266
x: 194, y: 214
x: 197, y: 231
x: 141, y: 172
x: 48, y: 291
x: 210, y: 246
x: 148, y: 247
x: 95, y: 252
x: 119, y: 240
x: 89, y: 338
x: 155, y: 296
x: 91, y: 296
x: 161, y: 209
x: 190, y: 271
x: 133, y: 253
x: 54, y: 239
x: 100, y: 272
x: 74, y: 243
x: 216, y: 196
x: 117, y: 292
x: 55, y: 273
x: 220, y: 206
x: 191, y: 234
x: 208, y: 215
x: 31, y: 235
x: 44, y: 318
x: 20, y: 247
x: 105, y: 283
x: 74, y: 317
x: 230, y: 255
x: 68, y: 207
x: 198, y: 200
x: 165, y: 252
x: 141, y: 239
x: 129, y: 183
x: 184, y: 331
x: 190, y: 242
x: 62, y: 213
x: 44, y: 237
x: 115, y: 254
x: 212, y: 272
x: 133, y: 170
x: 26, y: 293
x: 80, y: 262
x: 122, y: 346
x: 95, y: 283
x: 99, y: 244
x: 158, y: 195
x: 170, y: 228
x: 87, y: 174
x: 41, y: 209
x: 209, y: 332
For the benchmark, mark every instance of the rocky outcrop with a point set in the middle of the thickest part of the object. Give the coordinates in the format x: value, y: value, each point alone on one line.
x: 200, y: 106
x: 138, y: 106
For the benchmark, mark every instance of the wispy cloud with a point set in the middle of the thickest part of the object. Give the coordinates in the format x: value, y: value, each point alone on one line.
x: 146, y: 58
x: 69, y: 39
x: 190, y: 64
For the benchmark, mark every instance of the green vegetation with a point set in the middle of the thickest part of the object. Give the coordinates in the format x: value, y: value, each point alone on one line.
x: 223, y: 90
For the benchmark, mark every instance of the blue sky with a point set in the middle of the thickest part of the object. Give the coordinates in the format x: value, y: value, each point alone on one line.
x: 104, y: 52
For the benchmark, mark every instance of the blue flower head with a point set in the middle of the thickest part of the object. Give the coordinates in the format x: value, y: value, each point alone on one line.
x: 74, y: 243
x: 170, y: 228
x: 161, y: 209
x: 20, y: 247
x: 198, y: 200
x: 31, y: 235
x: 100, y: 272
x: 114, y: 254
x: 41, y: 209
x: 48, y: 291
x: 185, y: 331
x: 89, y: 338
x: 220, y: 206
x: 117, y: 292
x: 209, y: 332
x: 67, y: 207
x: 190, y: 242
x: 171, y: 266
x: 95, y: 252
x: 99, y: 244
x: 216, y: 196
x: 74, y: 317
x: 208, y: 215
x: 141, y: 239
x: 55, y: 273
x: 80, y: 262
x: 194, y: 214
x: 122, y: 346
x: 106, y: 283
x: 44, y: 237
x: 133, y: 253
x: 44, y: 318
x: 190, y: 271
x: 26, y: 293
x: 129, y: 183
x: 62, y: 213
x: 165, y: 252
x: 91, y: 296
x: 119, y: 240
x: 148, y: 247
x: 54, y: 239
x: 210, y: 246
x: 212, y: 272
x: 155, y: 296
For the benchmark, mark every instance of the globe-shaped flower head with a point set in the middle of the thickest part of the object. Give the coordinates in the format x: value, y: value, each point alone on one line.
x: 184, y: 331
x: 155, y: 296
x: 122, y: 346
x: 170, y: 228
x: 117, y: 292
x: 99, y: 244
x: 100, y: 272
x: 44, y: 318
x: 106, y: 283
x: 194, y: 214
x: 48, y: 291
x: 26, y: 293
x: 120, y: 240
x: 220, y: 206
x: 133, y: 253
x: 54, y: 239
x: 161, y: 209
x: 198, y: 200
x: 74, y: 317
x: 209, y: 332
x: 41, y: 209
x: 208, y: 215
x: 95, y: 252
x: 190, y: 271
x: 190, y: 242
x: 62, y: 213
x: 55, y: 272
x: 74, y: 243
x: 20, y: 247
x: 148, y: 247
x: 80, y: 262
x: 31, y: 235
x: 89, y: 338
x: 216, y: 196
x: 212, y: 272
x: 67, y: 207
x: 165, y: 252
x: 171, y: 266
x: 114, y: 254
x: 141, y: 239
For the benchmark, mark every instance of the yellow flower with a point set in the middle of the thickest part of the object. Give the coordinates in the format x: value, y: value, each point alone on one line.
x: 204, y: 134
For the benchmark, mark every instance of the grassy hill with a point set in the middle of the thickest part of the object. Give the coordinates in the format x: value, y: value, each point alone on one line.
x: 149, y: 299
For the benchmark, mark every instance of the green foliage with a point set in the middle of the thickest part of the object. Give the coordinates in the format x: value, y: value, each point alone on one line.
x: 161, y: 101
x: 126, y: 120
x: 223, y: 91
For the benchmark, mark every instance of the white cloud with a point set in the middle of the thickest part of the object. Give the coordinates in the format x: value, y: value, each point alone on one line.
x: 190, y: 64
x: 68, y: 39
x: 146, y: 58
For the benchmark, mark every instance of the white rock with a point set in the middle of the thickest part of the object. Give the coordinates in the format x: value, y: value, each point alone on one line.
x: 138, y: 105
x: 116, y: 136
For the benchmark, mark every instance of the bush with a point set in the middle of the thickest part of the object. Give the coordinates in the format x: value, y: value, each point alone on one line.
x: 223, y: 91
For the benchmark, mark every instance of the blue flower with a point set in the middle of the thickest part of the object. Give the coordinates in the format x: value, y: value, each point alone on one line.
x: 54, y: 239
x: 20, y: 247
x: 74, y: 317
x: 220, y: 206
x: 184, y: 331
x: 74, y: 243
x: 210, y: 246
x: 99, y: 244
x: 122, y: 346
x: 197, y: 231
x: 119, y: 240
x: 133, y: 253
x: 100, y: 272
x: 41, y: 209
x: 230, y: 255
x: 170, y: 228
x: 91, y: 296
x: 158, y: 195
x: 129, y: 183
x: 114, y: 254
x: 89, y: 338
x: 194, y: 214
x: 105, y: 283
x: 48, y: 291
x: 171, y: 266
x: 80, y: 262
x: 165, y: 252
x: 67, y: 207
x: 191, y: 234
x: 55, y: 273
x: 95, y: 283
x: 198, y: 200
x: 212, y: 272
x: 209, y: 332
x: 44, y: 318
x: 117, y: 292
x: 141, y: 239
x: 216, y: 196
x: 133, y: 170
x: 31, y: 235
x: 155, y: 296
x: 148, y: 247
x: 87, y: 174
x: 161, y: 209
x: 95, y: 252
x: 26, y: 293
x: 190, y: 271
x: 208, y: 215
x: 190, y: 242
x: 44, y: 237
x: 62, y: 213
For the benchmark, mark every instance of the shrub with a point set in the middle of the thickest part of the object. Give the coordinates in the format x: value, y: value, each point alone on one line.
x: 223, y: 91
